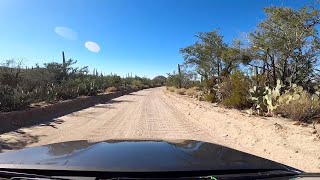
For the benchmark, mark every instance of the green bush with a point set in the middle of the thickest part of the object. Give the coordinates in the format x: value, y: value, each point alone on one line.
x: 209, y: 97
x: 14, y: 98
x: 235, y: 90
x: 134, y: 87
x: 137, y: 83
x: 145, y: 86
x: 83, y: 89
x: 19, y: 86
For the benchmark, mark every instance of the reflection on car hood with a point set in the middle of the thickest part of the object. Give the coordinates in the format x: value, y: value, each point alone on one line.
x: 142, y: 155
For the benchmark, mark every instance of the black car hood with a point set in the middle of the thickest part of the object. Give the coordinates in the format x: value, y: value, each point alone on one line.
x: 142, y: 155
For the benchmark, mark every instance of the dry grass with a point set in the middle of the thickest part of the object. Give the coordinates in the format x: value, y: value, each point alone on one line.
x: 111, y: 89
x: 181, y: 91
x: 192, y: 92
x: 303, y: 109
x: 171, y: 89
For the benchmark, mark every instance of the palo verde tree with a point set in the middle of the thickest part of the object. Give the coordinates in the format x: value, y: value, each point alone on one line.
x: 213, y: 59
x: 286, y: 44
x: 205, y: 56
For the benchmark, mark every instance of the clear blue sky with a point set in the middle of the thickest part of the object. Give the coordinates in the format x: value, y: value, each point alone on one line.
x: 138, y: 36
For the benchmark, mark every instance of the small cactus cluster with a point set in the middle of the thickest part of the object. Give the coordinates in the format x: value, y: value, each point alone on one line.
x: 294, y: 92
x: 272, y: 97
x: 291, y: 94
x: 269, y: 99
x: 316, y: 96
x: 265, y: 98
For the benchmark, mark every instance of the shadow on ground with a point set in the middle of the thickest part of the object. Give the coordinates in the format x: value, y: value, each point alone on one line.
x: 20, y: 140
x: 14, y: 120
x: 134, y: 94
x: 108, y: 104
x: 53, y: 123
x: 113, y: 101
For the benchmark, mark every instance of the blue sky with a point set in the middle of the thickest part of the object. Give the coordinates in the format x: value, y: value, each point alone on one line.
x: 138, y: 36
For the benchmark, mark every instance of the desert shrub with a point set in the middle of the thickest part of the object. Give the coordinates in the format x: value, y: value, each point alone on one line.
x: 199, y: 95
x: 82, y: 89
x: 159, y: 80
x: 209, y: 97
x: 93, y: 90
x: 145, y: 86
x: 234, y: 90
x: 111, y: 89
x: 302, y: 109
x: 45, y: 93
x: 54, y: 81
x: 191, y: 92
x: 171, y: 89
x: 137, y: 83
x: 14, y: 98
x: 181, y: 91
x: 121, y: 88
x: 67, y: 90
x: 134, y: 87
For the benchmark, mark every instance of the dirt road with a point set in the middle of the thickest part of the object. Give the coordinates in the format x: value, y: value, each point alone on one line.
x: 158, y: 114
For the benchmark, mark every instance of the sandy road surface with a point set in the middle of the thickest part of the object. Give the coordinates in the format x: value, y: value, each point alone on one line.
x: 158, y: 114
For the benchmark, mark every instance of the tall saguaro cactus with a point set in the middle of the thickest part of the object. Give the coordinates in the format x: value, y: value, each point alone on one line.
x: 179, y: 76
x: 64, y: 66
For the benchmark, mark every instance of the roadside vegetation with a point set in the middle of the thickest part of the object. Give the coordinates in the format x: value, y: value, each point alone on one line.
x: 273, y: 70
x: 21, y: 86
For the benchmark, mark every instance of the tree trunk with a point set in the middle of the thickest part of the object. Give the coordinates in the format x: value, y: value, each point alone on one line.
x: 255, y: 71
x: 268, y: 74
x: 284, y: 70
x: 218, y: 71
x: 273, y: 67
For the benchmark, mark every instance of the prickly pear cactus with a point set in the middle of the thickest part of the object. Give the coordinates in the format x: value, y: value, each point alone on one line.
x: 256, y: 95
x: 266, y: 98
x: 316, y: 96
x: 272, y: 96
x: 291, y: 94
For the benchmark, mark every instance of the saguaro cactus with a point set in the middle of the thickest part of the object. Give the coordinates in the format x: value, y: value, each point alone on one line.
x: 179, y: 76
x: 64, y: 65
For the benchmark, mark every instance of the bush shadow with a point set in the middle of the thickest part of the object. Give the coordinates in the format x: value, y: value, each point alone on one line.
x: 24, y: 139
x: 134, y: 94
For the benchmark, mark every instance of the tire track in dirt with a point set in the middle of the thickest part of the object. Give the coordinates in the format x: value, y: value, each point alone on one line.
x: 146, y: 114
